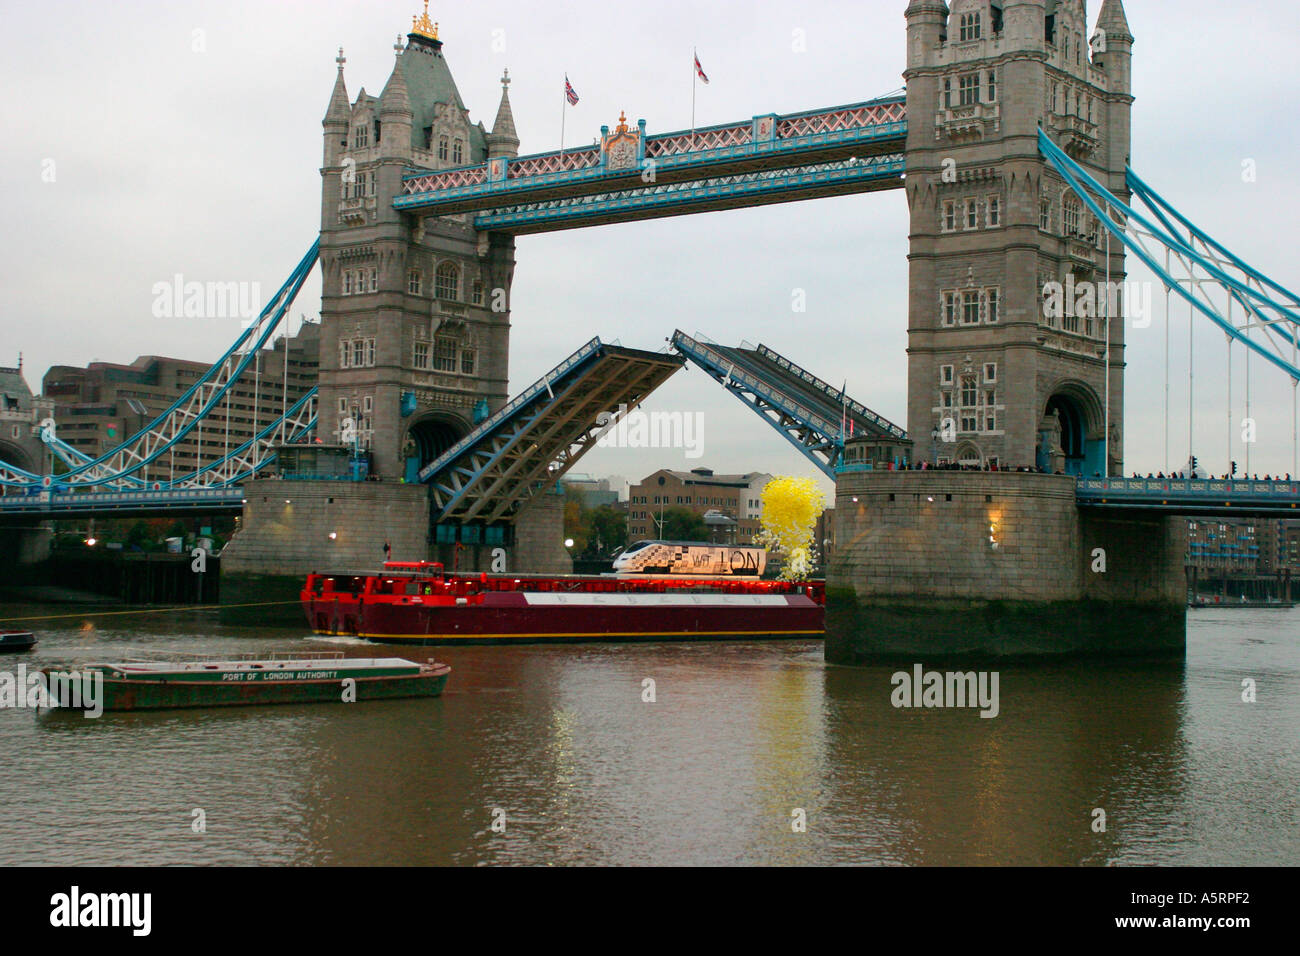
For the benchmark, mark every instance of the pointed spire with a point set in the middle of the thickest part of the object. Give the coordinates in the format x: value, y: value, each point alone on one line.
x: 505, y: 121
x: 504, y: 139
x: 1113, y: 19
x: 395, y: 98
x: 339, y: 109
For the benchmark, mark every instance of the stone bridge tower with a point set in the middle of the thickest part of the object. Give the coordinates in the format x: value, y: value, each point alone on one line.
x: 1000, y: 370
x: 415, y: 317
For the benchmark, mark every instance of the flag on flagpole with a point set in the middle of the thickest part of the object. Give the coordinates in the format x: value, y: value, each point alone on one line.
x: 699, y: 70
x: 569, y: 93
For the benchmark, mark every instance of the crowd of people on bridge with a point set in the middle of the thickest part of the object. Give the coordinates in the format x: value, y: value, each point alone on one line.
x: 1179, y: 476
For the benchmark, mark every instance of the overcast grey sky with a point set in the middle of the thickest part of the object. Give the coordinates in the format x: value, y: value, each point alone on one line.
x: 171, y: 159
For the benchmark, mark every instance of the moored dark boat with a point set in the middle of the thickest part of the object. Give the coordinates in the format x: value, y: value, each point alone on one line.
x: 420, y: 604
x: 324, y: 678
x: 14, y: 641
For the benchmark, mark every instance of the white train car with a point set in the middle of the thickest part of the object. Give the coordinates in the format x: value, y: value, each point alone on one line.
x: 690, y: 557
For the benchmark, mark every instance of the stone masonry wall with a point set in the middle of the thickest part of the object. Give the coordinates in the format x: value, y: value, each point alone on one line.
x: 293, y: 538
x: 932, y: 539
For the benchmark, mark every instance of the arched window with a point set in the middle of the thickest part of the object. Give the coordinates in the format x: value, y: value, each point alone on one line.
x: 457, y: 152
x: 447, y: 281
x: 442, y: 147
x: 1070, y: 216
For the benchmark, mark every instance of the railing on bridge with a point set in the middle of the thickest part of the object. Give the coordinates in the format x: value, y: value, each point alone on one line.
x: 766, y: 141
x: 1176, y: 494
x: 129, y: 502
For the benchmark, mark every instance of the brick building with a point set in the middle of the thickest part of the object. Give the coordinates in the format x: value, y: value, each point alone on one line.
x: 97, y: 407
x: 700, y: 491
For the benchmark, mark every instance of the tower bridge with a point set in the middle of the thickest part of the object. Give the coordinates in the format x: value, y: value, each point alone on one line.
x: 1011, y: 144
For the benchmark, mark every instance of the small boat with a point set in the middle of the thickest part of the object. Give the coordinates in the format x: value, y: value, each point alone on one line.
x: 14, y: 641
x: 268, y: 679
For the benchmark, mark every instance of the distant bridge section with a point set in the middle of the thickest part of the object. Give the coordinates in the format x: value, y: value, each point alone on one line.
x: 122, y: 504
x: 1192, y: 497
x: 629, y: 175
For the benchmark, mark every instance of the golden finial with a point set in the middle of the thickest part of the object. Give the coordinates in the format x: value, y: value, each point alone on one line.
x: 622, y: 122
x: 423, y: 26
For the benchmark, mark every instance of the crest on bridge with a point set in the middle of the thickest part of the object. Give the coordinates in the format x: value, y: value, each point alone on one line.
x: 622, y: 147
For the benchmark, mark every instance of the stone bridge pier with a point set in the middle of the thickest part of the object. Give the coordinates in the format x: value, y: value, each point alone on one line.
x: 997, y: 565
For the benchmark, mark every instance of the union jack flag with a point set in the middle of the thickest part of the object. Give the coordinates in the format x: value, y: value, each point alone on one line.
x: 699, y: 70
x: 569, y: 93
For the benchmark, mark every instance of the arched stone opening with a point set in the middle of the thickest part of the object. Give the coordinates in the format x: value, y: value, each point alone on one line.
x: 1070, y: 436
x: 428, y: 437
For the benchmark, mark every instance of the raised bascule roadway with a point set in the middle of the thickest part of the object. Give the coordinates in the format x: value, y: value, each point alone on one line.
x: 1011, y: 142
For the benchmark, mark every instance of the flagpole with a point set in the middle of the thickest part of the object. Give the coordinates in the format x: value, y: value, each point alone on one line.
x: 564, y: 111
x: 695, y: 58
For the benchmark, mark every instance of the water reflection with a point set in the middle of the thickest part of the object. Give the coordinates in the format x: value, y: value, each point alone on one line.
x: 557, y: 743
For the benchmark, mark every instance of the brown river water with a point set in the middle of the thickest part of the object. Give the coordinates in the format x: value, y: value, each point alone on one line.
x: 751, y: 753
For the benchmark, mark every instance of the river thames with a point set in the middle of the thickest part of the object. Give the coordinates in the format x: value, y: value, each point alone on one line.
x: 549, y: 755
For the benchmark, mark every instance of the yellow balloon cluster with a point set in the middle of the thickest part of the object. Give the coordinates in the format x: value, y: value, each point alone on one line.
x: 791, y: 507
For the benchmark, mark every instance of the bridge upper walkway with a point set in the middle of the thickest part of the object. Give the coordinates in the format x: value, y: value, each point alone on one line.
x: 629, y: 175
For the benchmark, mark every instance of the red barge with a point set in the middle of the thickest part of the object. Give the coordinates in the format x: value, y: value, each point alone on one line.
x: 420, y: 603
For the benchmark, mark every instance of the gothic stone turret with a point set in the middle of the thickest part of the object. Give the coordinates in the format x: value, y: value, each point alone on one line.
x: 414, y: 320
x: 991, y: 377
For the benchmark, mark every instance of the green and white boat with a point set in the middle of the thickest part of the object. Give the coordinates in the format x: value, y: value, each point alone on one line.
x: 252, y: 679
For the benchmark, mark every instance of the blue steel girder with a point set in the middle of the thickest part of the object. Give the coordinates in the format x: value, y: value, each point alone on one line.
x: 118, y: 466
x: 490, y: 476
x: 1208, y: 272
x: 764, y: 143
x: 138, y: 502
x: 800, y: 384
x: 1208, y: 496
x: 816, y: 437
x: 660, y: 200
